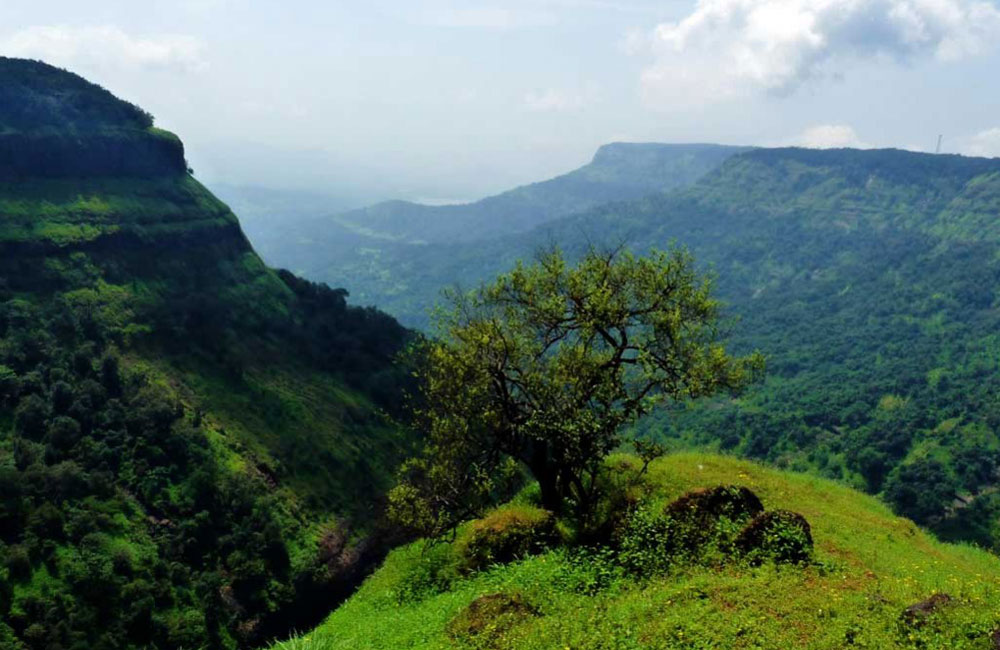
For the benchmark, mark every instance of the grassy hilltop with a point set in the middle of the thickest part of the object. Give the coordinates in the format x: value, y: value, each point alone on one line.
x: 868, y: 566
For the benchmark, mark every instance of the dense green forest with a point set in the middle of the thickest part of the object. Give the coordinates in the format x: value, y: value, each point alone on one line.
x: 193, y: 447
x: 866, y: 277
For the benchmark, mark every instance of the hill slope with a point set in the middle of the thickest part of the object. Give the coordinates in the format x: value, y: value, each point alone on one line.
x: 192, y: 445
x: 867, y: 568
x: 868, y: 279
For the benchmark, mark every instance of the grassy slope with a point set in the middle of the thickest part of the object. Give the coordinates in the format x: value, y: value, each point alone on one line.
x: 325, y: 442
x: 870, y: 565
x: 325, y: 439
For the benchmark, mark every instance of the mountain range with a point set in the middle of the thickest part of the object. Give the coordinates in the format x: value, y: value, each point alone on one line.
x: 195, y: 447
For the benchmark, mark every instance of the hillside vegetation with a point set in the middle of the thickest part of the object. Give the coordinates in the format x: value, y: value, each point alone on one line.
x: 192, y: 445
x: 868, y: 280
x: 866, y: 568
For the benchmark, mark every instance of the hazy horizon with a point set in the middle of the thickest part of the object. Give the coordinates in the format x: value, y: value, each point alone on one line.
x: 442, y: 101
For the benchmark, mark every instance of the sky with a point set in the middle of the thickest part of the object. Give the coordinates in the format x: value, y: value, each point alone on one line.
x: 442, y: 100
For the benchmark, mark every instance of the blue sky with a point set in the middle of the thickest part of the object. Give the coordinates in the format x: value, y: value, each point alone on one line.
x: 453, y: 100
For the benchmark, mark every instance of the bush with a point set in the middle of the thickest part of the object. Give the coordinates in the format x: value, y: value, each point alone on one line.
x: 712, y: 526
x: 507, y: 534
x: 779, y: 535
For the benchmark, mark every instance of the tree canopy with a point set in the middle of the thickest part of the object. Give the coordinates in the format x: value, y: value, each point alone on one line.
x: 543, y: 368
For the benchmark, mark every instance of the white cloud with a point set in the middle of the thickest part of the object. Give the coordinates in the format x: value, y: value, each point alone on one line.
x: 985, y: 144
x: 727, y: 49
x: 105, y: 46
x: 829, y: 136
x: 561, y: 100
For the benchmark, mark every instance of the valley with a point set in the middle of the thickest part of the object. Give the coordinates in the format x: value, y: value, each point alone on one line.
x: 201, y: 449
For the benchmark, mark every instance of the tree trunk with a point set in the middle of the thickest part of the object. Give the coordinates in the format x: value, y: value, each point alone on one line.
x: 542, y: 468
x: 551, y: 498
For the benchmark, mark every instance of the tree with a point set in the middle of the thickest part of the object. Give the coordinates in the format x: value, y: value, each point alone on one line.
x: 544, y: 367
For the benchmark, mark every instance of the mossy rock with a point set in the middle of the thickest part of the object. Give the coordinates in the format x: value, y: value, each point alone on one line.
x: 917, y: 614
x: 507, y: 534
x: 694, y: 515
x: 778, y: 535
x: 488, y: 618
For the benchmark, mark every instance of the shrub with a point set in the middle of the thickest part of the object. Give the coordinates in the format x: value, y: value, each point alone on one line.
x: 507, y: 534
x: 620, y: 488
x: 711, y: 526
x: 779, y: 535
x: 432, y: 572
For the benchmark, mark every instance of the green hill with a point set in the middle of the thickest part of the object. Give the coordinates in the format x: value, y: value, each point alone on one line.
x: 192, y: 445
x: 868, y: 279
x: 868, y: 566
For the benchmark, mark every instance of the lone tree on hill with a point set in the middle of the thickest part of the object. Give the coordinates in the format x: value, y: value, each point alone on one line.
x: 542, y: 369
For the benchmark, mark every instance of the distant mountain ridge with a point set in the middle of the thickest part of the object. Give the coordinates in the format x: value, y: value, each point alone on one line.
x: 618, y: 171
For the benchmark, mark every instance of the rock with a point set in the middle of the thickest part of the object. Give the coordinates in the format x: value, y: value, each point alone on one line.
x: 505, y: 535
x: 780, y: 535
x: 694, y: 515
x: 734, y: 502
x: 916, y: 615
x: 489, y: 617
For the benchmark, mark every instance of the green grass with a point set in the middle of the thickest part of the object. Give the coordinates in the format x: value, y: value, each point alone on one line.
x: 326, y: 442
x: 869, y: 566
x: 73, y: 211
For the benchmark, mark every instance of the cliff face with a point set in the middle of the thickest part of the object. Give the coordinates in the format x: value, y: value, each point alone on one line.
x: 85, y: 179
x: 123, y: 153
x: 54, y: 124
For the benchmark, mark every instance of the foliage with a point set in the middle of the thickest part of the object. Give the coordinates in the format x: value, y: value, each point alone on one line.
x: 866, y: 277
x: 546, y: 365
